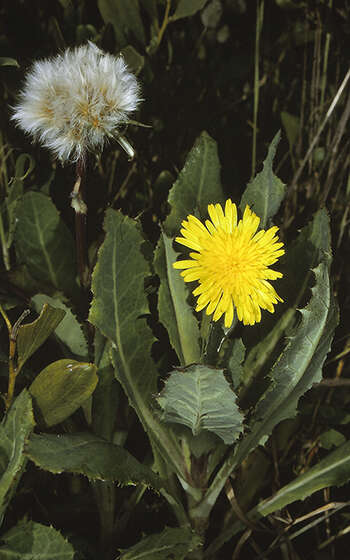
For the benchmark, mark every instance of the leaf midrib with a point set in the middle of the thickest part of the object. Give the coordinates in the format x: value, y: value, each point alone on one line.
x: 41, y: 239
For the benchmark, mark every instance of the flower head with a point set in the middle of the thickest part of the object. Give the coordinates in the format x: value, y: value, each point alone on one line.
x: 74, y: 102
x: 231, y: 263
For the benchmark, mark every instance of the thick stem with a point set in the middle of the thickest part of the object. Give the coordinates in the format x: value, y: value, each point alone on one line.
x: 80, y: 210
x: 104, y: 492
x: 199, y: 525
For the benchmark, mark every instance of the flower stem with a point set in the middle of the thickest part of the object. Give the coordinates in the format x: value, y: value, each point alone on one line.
x: 3, y: 240
x: 13, y: 370
x: 80, y: 210
x: 165, y: 22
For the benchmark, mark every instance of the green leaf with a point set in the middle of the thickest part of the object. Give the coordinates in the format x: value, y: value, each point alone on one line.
x: 174, y: 311
x: 262, y: 352
x: 134, y: 60
x: 265, y: 192
x: 107, y: 395
x: 7, y: 61
x: 187, y: 8
x: 333, y: 470
x: 118, y: 309
x: 89, y: 455
x: 44, y: 243
x: 298, y: 366
x: 125, y: 18
x: 29, y: 540
x: 235, y: 360
x: 200, y: 397
x: 197, y: 185
x: 33, y: 335
x: 120, y: 304
x: 291, y: 125
x: 331, y: 438
x: 61, y: 388
x: 301, y: 257
x: 310, y: 247
x: 15, y: 429
x: 170, y: 543
x: 23, y: 167
x: 69, y: 331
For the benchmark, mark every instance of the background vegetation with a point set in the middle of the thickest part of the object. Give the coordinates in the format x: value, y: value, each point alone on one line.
x: 241, y: 71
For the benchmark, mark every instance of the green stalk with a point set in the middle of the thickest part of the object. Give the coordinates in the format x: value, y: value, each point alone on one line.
x: 258, y: 29
x: 80, y: 210
x: 203, y: 509
x: 104, y: 492
x: 325, y: 63
x: 3, y: 241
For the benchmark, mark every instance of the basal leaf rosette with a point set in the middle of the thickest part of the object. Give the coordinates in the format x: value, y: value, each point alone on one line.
x: 231, y: 263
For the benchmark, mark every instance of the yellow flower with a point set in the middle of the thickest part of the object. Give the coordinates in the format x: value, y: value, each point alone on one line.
x: 231, y: 263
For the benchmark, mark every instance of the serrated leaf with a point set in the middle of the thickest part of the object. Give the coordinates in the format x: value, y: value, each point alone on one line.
x: 125, y: 18
x: 266, y: 191
x: 299, y: 365
x: 187, y: 8
x: 15, y: 429
x: 200, y: 397
x: 170, y: 543
x: 29, y: 540
x: 118, y: 308
x: 61, y: 388
x: 44, y: 243
x: 33, y: 335
x: 174, y: 311
x: 89, y: 455
x: 333, y: 470
x: 310, y: 247
x: 304, y: 254
x: 261, y: 353
x: 197, y: 185
x: 235, y: 360
x: 23, y: 167
x: 69, y: 330
x: 120, y: 303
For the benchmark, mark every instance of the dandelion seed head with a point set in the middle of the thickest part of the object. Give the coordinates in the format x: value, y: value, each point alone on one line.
x: 75, y: 102
x: 231, y: 263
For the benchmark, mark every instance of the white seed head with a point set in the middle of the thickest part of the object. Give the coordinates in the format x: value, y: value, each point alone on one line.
x: 75, y: 102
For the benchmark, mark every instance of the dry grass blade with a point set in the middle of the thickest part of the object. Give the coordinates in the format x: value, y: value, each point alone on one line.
x: 324, y: 514
x: 319, y: 131
x: 236, y: 508
x: 329, y: 541
x: 240, y: 544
